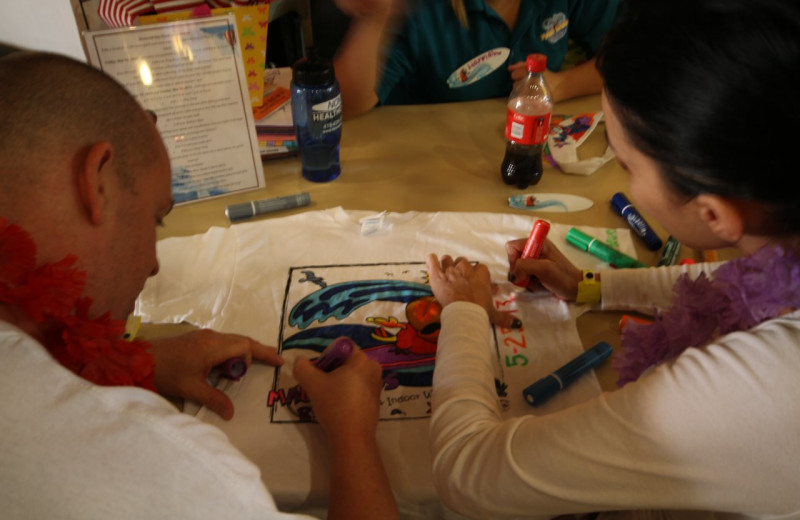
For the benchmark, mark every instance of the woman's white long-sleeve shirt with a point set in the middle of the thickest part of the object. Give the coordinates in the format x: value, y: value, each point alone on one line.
x: 715, y: 430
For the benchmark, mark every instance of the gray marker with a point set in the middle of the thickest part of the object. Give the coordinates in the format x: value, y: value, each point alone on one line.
x: 259, y: 207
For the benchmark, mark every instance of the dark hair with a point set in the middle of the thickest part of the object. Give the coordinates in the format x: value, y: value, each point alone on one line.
x: 709, y: 89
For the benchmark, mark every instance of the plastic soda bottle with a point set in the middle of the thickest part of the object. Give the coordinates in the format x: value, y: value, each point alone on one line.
x: 317, y: 113
x: 529, y: 108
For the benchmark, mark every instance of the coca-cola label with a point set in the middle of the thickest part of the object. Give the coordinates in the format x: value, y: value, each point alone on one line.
x: 525, y: 129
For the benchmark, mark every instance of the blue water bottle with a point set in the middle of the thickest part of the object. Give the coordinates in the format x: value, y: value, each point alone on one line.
x: 317, y: 112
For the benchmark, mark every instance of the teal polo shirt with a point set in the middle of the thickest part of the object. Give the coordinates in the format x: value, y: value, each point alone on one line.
x: 433, y: 47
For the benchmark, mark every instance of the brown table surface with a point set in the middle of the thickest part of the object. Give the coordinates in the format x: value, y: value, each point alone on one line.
x: 443, y: 157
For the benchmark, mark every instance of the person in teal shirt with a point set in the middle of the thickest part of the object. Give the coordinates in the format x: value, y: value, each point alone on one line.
x: 462, y: 50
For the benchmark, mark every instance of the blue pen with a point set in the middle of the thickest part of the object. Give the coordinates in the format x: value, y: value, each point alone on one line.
x: 639, y: 225
x: 548, y: 386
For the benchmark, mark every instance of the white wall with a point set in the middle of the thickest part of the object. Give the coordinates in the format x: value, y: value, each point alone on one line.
x: 47, y: 25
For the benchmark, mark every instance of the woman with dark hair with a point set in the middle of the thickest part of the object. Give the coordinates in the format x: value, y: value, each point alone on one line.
x: 706, y: 422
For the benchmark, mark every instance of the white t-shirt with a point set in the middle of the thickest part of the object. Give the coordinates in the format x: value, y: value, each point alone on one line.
x: 253, y: 278
x: 75, y: 450
x: 716, y: 429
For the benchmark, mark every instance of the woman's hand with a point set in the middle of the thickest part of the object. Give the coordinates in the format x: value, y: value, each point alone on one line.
x: 551, y: 270
x: 457, y: 279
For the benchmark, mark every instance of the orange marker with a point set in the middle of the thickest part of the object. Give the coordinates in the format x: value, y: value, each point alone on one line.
x: 628, y: 318
x: 534, y: 245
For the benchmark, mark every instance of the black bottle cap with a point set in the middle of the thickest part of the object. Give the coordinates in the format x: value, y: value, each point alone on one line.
x: 313, y: 70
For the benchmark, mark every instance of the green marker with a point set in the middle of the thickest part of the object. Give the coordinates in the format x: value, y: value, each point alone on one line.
x: 601, y: 250
x: 669, y: 255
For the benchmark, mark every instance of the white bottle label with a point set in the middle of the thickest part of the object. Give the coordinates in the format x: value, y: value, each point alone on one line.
x: 327, y: 115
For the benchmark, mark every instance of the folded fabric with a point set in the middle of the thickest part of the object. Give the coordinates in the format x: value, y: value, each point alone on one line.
x: 299, y: 281
x: 565, y: 138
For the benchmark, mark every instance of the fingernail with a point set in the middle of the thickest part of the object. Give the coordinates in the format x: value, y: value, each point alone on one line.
x: 516, y: 324
x: 511, y: 277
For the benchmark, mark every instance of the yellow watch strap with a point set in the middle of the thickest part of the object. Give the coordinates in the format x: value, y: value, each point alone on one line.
x: 588, y: 288
x: 132, y: 327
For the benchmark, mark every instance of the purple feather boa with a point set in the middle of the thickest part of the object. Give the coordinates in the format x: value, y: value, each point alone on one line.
x: 743, y: 293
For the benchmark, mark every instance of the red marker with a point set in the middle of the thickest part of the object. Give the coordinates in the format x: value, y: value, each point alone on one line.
x: 534, y: 245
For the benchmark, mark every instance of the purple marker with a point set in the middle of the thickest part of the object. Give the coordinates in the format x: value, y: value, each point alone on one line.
x: 233, y: 368
x: 335, y: 354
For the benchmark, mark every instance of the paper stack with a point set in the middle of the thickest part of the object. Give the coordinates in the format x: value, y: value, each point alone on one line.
x: 273, y: 119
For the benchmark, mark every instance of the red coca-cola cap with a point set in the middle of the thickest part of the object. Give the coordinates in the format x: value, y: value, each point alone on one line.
x: 536, y: 62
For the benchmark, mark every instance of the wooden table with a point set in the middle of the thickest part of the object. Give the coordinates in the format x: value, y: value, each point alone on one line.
x: 431, y: 158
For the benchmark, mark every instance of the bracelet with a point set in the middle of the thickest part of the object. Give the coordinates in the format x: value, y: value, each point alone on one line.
x: 588, y: 288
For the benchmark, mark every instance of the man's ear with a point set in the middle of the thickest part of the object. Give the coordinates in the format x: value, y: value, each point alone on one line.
x: 723, y: 216
x: 94, y: 173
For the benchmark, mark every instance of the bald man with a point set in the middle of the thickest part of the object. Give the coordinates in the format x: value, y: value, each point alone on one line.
x: 85, y: 180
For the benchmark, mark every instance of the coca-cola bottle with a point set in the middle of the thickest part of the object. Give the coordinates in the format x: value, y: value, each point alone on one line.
x: 527, y: 125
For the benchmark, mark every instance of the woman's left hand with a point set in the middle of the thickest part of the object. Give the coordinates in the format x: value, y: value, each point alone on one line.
x: 457, y: 279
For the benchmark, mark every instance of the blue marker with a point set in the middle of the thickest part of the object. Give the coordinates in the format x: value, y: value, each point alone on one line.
x: 639, y: 225
x: 548, y: 386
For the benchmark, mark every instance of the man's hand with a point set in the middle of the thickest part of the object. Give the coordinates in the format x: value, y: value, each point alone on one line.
x: 345, y: 400
x: 184, y: 362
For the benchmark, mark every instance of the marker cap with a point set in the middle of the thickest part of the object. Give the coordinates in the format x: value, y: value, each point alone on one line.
x: 536, y: 62
x: 233, y: 368
x: 619, y: 202
x: 541, y: 390
x: 245, y: 210
x: 335, y: 354
x: 240, y: 211
x: 600, y: 249
x: 546, y: 387
x: 533, y: 247
x: 579, y: 239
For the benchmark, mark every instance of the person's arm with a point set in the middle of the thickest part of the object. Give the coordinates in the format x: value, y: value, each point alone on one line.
x: 359, y: 58
x: 622, y: 450
x: 641, y: 290
x: 581, y: 80
x: 551, y: 270
x: 184, y: 362
x: 346, y: 403
x: 646, y: 290
x: 359, y: 486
